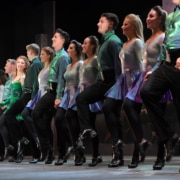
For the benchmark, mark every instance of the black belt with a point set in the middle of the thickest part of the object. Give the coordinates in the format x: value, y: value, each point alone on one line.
x: 52, y: 87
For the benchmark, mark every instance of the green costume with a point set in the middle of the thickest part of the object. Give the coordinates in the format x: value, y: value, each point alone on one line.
x: 16, y: 92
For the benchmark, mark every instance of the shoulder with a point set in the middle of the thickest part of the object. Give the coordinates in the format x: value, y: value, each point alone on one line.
x: 22, y: 79
x: 64, y: 58
x: 115, y: 39
x: 138, y: 42
x: 36, y: 62
x: 161, y: 37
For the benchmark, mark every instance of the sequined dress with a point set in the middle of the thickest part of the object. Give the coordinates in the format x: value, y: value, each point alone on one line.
x: 43, y: 85
x: 131, y: 61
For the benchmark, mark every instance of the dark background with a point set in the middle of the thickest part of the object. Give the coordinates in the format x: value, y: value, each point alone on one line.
x: 23, y: 22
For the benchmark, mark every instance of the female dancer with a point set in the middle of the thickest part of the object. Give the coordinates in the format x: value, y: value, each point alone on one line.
x: 131, y: 60
x: 71, y: 76
x: 46, y: 56
x: 166, y: 77
x: 151, y: 60
x: 88, y: 76
x: 22, y: 63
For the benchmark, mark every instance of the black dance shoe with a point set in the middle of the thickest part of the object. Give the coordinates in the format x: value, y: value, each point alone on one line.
x: 19, y: 158
x: 7, y: 150
x: 117, y: 159
x: 159, y: 164
x: 136, y: 157
x: 170, y: 147
x: 143, y: 148
x: 50, y: 159
x: 1, y: 157
x: 60, y: 162
x: 11, y: 159
x: 70, y: 150
x: 79, y: 158
x: 95, y: 161
x: 116, y: 163
x: 88, y: 132
x: 20, y: 149
x: 44, y: 154
x: 133, y: 164
x: 34, y: 161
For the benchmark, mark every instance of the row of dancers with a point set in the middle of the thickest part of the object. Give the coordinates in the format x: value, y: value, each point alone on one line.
x: 71, y: 87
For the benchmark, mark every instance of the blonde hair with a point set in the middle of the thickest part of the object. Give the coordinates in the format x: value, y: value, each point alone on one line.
x: 137, y: 22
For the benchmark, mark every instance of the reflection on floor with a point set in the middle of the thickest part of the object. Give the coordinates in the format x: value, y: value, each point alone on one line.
x: 40, y: 171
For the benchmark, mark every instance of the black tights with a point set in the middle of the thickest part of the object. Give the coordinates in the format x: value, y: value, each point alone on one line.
x: 133, y: 111
x: 74, y: 127
x: 112, y: 110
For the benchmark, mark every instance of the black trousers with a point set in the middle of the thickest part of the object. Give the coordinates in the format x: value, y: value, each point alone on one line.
x: 165, y: 78
x: 73, y: 125
x: 4, y: 132
x: 10, y: 118
x: 1, y: 139
x: 63, y: 132
x: 42, y: 116
x: 90, y: 95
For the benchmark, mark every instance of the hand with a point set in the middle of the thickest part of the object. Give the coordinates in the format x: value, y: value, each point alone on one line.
x: 3, y: 107
x: 177, y: 66
x: 56, y: 103
x: 147, y: 76
x: 81, y: 88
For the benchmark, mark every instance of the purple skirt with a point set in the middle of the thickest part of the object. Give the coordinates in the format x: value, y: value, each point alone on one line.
x: 34, y: 101
x: 134, y: 92
x: 67, y: 102
x: 119, y: 89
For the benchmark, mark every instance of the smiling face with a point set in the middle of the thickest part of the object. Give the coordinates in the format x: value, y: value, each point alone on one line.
x: 44, y: 56
x: 87, y: 46
x: 153, y: 20
x: 21, y: 63
x: 127, y: 27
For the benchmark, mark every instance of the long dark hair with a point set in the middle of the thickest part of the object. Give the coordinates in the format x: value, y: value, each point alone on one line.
x: 162, y: 15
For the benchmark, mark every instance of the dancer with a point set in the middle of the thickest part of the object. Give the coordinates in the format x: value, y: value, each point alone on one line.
x: 29, y: 91
x: 151, y: 61
x: 67, y: 104
x: 131, y: 60
x: 46, y: 55
x: 109, y: 66
x: 166, y: 77
x: 10, y: 70
x: 87, y: 76
x: 22, y: 63
x: 46, y: 106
